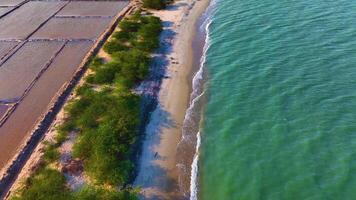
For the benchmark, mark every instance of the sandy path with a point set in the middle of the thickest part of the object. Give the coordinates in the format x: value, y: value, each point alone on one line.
x: 158, y: 173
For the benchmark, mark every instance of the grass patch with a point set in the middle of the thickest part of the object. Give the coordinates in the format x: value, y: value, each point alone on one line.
x: 46, y: 184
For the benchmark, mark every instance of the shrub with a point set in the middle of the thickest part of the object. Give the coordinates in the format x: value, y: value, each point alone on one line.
x: 106, y: 74
x: 91, y: 193
x: 134, y: 64
x: 154, y: 4
x: 128, y: 25
x: 46, y: 184
x: 96, y: 62
x: 122, y: 36
x: 51, y: 153
x: 114, y: 45
x: 106, y: 148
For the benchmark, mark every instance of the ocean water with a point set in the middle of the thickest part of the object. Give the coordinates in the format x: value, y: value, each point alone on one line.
x: 280, y: 114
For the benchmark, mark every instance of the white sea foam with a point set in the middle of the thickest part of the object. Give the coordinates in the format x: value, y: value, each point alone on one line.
x: 194, y: 173
x: 195, y: 96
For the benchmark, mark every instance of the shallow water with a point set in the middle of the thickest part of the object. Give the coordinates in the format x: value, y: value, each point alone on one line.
x: 6, y: 47
x: 3, y: 110
x: 4, y: 10
x: 72, y: 28
x: 281, y: 111
x: 90, y: 8
x: 17, y: 75
x: 22, y: 22
x: 10, y: 2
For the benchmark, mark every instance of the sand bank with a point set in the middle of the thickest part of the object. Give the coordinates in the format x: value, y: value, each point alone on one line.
x: 158, y: 172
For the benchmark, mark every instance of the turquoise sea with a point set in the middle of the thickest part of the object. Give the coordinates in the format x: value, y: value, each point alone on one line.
x: 280, y: 113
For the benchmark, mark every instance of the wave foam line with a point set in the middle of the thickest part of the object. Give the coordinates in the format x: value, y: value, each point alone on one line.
x: 194, y: 96
x: 194, y: 173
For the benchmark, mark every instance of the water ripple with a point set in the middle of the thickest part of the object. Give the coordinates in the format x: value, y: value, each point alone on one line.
x: 281, y: 110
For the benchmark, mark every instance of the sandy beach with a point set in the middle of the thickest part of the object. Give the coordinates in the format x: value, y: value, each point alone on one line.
x: 158, y: 172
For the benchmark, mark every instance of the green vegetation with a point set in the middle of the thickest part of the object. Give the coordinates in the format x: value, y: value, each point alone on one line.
x: 91, y: 193
x: 50, y: 184
x: 155, y: 4
x: 105, y: 115
x: 46, y: 184
x: 108, y: 127
x: 51, y: 153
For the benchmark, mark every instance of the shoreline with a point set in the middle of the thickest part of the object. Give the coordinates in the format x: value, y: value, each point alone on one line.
x: 158, y: 174
x: 29, y: 153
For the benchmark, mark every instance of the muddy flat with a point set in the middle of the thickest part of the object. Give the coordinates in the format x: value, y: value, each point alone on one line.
x: 6, y: 47
x: 3, y: 110
x: 17, y: 75
x: 4, y: 10
x: 10, y: 2
x: 23, y: 21
x: 42, y: 46
x: 24, y: 117
x: 82, y: 8
x: 72, y: 28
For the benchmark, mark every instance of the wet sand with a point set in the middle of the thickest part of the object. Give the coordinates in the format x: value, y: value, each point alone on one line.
x: 34, y: 75
x: 158, y: 173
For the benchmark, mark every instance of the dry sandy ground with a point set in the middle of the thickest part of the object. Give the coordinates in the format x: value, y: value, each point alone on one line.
x: 158, y: 173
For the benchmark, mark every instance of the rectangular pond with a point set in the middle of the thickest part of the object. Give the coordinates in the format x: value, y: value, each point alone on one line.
x: 92, y: 8
x: 42, y: 46
x: 23, y: 21
x: 72, y: 28
x: 22, y: 68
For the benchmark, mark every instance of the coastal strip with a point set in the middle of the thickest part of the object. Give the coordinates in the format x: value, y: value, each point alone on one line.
x: 103, y: 112
x: 159, y: 173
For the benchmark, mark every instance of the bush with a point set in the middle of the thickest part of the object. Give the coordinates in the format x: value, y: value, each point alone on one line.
x: 96, y: 62
x: 91, y: 193
x: 106, y: 74
x: 106, y: 148
x: 47, y: 184
x: 51, y: 153
x: 140, y: 32
x: 114, y: 45
x: 154, y: 4
x: 148, y: 35
x: 134, y: 64
x: 122, y: 36
x: 129, y: 25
